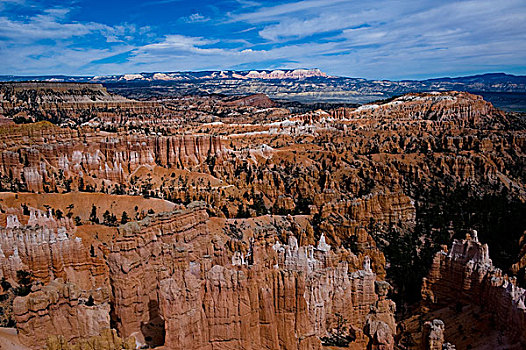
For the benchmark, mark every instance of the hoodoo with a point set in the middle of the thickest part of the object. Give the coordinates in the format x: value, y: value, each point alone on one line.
x: 244, y: 222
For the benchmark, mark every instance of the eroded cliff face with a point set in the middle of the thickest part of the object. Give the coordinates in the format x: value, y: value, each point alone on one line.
x: 188, y: 291
x: 69, y: 103
x: 459, y: 108
x: 48, y: 249
x: 70, y: 296
x: 465, y: 275
x: 60, y: 308
x: 69, y: 157
x: 174, y: 279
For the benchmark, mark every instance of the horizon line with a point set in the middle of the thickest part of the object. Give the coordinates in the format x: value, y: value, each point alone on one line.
x: 257, y: 70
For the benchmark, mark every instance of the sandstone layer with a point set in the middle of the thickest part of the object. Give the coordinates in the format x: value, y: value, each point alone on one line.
x: 61, y: 309
x: 174, y: 282
x: 199, y: 295
x: 465, y: 274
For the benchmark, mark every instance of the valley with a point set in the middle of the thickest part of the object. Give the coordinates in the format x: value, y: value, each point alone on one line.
x: 166, y: 219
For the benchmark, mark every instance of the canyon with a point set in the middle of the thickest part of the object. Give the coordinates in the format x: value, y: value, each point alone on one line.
x: 208, y: 221
x: 171, y: 282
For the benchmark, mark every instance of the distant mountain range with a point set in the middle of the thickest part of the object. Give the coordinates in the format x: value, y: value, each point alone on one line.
x: 303, y: 85
x: 277, y: 74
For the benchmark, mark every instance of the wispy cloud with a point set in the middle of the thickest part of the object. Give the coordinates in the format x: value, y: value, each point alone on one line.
x: 158, y: 2
x: 299, y: 28
x: 195, y: 18
x: 50, y: 42
x: 272, y: 12
x: 45, y: 26
x: 52, y: 24
x: 369, y: 39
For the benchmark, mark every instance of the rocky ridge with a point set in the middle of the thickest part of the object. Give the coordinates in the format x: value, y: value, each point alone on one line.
x: 465, y: 274
x: 173, y: 283
x: 278, y: 297
x: 308, y: 85
x: 69, y: 103
x: 48, y: 160
x: 48, y: 249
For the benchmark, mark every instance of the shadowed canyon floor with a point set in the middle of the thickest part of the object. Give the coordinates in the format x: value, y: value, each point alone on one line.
x: 213, y: 222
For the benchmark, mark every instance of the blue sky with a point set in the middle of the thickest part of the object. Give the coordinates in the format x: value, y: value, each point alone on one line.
x: 381, y: 39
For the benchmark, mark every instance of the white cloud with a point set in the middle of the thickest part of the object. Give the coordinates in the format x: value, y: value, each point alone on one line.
x: 179, y: 52
x: 379, y: 39
x: 368, y: 39
x: 196, y: 18
x: 44, y: 26
x: 45, y: 43
x: 264, y: 14
x: 52, y: 24
x: 298, y: 28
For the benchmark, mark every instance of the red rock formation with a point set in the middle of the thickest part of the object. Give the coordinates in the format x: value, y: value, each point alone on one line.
x: 48, y: 249
x: 462, y: 108
x: 433, y: 336
x: 174, y: 284
x: 112, y: 158
x: 141, y: 257
x: 381, y: 325
x: 466, y: 274
x: 256, y: 100
x: 378, y: 206
x: 179, y: 280
x: 61, y: 309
